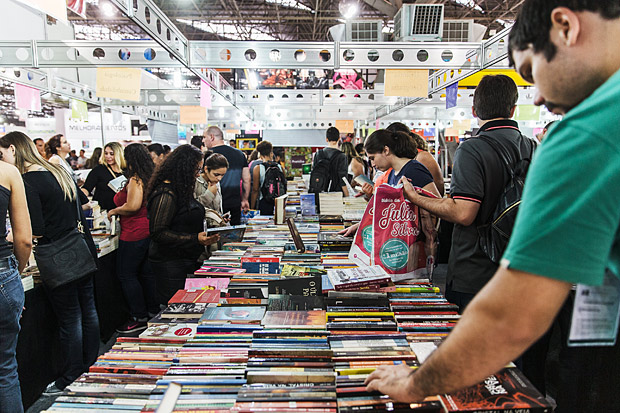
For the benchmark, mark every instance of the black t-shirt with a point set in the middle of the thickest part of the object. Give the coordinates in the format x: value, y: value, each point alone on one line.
x: 415, y: 171
x: 98, y: 179
x: 5, y: 197
x: 479, y: 175
x: 231, y: 182
x: 51, y: 215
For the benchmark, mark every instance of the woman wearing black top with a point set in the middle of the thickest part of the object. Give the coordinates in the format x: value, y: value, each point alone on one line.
x: 176, y: 221
x: 51, y: 195
x: 111, y: 165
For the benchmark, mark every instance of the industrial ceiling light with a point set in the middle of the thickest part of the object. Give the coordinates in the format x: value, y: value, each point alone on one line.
x: 108, y: 9
x: 348, y: 9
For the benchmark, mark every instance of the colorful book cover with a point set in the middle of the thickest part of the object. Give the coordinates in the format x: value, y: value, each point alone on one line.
x: 206, y: 283
x: 195, y: 296
x: 235, y: 315
x: 295, y: 319
x: 181, y: 331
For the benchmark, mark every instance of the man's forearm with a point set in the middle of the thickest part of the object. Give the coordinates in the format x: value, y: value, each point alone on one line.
x: 444, y: 208
x: 492, y: 332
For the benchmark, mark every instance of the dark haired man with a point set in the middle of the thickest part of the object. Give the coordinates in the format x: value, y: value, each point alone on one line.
x: 567, y: 230
x: 157, y: 153
x: 197, y: 141
x: 40, y: 144
x: 478, y: 179
x: 334, y: 154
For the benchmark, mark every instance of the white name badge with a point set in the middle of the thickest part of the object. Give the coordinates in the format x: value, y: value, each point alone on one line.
x: 596, y: 313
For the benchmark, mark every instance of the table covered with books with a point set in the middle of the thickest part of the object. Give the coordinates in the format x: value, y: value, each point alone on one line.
x: 267, y: 326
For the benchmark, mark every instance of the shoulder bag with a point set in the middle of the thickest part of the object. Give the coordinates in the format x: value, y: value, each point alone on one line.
x: 66, y: 259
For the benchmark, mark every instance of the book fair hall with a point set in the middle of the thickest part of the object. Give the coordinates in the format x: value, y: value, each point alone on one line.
x: 314, y: 206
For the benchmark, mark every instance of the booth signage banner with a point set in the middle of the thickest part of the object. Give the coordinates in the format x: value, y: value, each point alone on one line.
x: 406, y: 83
x: 345, y: 126
x: 76, y: 131
x: 79, y: 110
x: 452, y: 93
x: 55, y: 8
x: 27, y: 98
x: 192, y: 115
x: 205, y: 95
x: 41, y: 127
x: 119, y: 83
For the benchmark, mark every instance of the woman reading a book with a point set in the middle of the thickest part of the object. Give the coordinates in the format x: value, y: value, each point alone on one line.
x: 176, y: 221
x: 51, y: 195
x: 132, y: 264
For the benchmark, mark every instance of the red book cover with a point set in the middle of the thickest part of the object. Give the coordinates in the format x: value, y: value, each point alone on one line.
x: 267, y: 258
x: 506, y: 391
x: 196, y: 296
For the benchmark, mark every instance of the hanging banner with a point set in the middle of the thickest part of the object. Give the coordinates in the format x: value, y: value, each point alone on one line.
x: 411, y: 83
x: 463, y: 125
x: 119, y: 83
x: 527, y: 112
x: 27, y: 98
x: 78, y: 7
x: 205, y: 95
x: 79, y: 110
x: 192, y: 115
x: 345, y: 126
x: 452, y: 92
x: 55, y: 8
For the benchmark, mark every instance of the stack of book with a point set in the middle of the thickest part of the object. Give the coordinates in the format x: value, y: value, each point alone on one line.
x: 372, y: 279
x: 332, y: 241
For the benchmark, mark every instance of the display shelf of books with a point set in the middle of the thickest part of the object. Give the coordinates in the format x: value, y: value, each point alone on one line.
x: 262, y: 326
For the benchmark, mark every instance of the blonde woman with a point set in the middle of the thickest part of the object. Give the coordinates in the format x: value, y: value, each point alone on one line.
x: 51, y: 196
x: 111, y: 165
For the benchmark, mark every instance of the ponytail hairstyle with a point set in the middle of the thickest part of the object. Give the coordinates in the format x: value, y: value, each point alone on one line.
x: 401, y: 144
x: 401, y: 127
x: 52, y: 145
x: 214, y: 161
x: 26, y: 153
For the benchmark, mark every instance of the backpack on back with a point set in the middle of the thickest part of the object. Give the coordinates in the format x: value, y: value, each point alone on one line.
x: 324, y: 175
x: 274, y: 184
x: 495, y: 234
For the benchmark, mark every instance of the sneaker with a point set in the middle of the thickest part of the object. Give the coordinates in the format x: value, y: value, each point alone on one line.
x: 132, y: 326
x: 52, y: 390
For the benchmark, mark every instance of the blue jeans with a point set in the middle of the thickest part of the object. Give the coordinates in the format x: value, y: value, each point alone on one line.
x: 11, y: 305
x: 74, y: 306
x: 136, y: 276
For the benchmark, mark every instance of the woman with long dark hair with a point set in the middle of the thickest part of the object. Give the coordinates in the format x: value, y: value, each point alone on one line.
x: 176, y: 221
x: 94, y: 159
x: 12, y: 263
x: 57, y: 149
x: 208, y: 190
x: 51, y: 195
x: 355, y: 161
x: 132, y: 265
x: 111, y: 165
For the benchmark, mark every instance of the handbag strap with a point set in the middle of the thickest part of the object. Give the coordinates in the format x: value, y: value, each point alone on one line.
x: 80, y: 226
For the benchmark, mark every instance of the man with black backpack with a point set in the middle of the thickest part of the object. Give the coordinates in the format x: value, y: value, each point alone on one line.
x: 329, y: 167
x: 481, y: 173
x: 268, y: 180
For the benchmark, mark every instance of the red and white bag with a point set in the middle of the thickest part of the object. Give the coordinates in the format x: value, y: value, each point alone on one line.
x: 361, y: 249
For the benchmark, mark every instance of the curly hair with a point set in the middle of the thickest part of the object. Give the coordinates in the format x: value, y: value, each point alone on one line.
x: 180, y: 169
x: 139, y: 163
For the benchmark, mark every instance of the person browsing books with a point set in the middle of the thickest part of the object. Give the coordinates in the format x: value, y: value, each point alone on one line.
x: 176, y: 221
x: 111, y: 165
x: 132, y: 264
x: 12, y: 263
x: 52, y: 197
x: 208, y: 190
x: 568, y: 227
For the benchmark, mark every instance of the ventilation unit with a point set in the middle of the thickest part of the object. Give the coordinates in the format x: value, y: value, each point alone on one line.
x: 364, y: 31
x: 458, y: 30
x: 419, y: 22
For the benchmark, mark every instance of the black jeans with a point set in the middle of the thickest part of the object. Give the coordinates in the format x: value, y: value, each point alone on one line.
x: 458, y: 298
x: 170, y: 276
x: 136, y: 276
x: 74, y: 306
x: 235, y: 214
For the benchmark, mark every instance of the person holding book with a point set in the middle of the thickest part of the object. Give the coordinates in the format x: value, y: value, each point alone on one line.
x: 208, y: 190
x: 12, y: 263
x: 132, y: 265
x: 568, y: 228
x: 111, y: 165
x: 52, y: 197
x: 176, y: 221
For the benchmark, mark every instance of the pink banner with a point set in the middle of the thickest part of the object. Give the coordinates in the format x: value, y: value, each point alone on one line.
x: 205, y: 95
x: 27, y: 98
x: 78, y: 7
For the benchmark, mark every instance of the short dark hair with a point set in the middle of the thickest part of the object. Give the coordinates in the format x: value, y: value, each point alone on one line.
x: 533, y: 23
x: 264, y: 148
x: 214, y: 161
x: 197, y: 142
x: 35, y: 140
x: 495, y: 96
x: 278, y: 151
x: 157, y: 148
x: 359, y: 148
x: 548, y: 125
x: 400, y: 143
x: 167, y: 149
x: 332, y: 134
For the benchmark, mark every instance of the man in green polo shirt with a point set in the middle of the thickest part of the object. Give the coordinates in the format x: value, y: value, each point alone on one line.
x: 567, y: 228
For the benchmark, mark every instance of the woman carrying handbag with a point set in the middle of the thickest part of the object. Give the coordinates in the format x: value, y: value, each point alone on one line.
x: 65, y: 260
